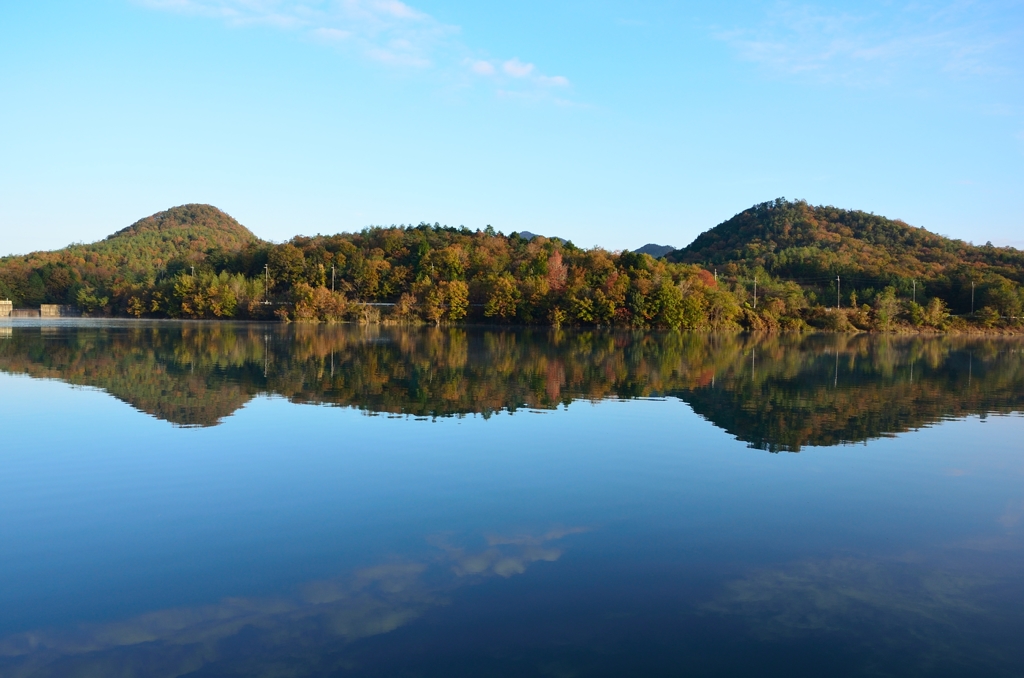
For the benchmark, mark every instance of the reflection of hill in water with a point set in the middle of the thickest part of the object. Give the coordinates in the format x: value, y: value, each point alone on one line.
x: 777, y: 393
x: 835, y: 390
x: 151, y: 369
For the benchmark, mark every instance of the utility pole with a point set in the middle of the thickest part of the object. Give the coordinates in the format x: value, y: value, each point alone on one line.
x: 972, y: 297
x: 266, y: 284
x: 915, y: 291
x: 332, y: 290
x: 755, y: 292
x: 838, y: 300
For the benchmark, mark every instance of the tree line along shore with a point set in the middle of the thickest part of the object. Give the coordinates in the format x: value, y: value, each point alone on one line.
x: 778, y: 266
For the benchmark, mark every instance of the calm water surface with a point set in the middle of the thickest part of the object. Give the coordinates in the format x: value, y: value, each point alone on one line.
x: 256, y: 500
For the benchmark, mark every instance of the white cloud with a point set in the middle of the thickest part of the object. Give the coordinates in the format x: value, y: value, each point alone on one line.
x: 385, y: 31
x: 878, y: 44
x: 331, y: 33
x: 396, y: 57
x: 555, y: 80
x: 516, y: 68
x: 388, y: 31
x: 482, y: 67
x: 399, y: 10
x: 520, y: 72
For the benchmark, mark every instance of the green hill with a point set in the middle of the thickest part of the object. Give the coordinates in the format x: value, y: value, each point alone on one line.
x: 203, y: 226
x: 149, y: 248
x: 812, y: 245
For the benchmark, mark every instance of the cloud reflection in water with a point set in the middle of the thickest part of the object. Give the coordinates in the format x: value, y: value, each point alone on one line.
x: 300, y: 635
x: 934, y: 615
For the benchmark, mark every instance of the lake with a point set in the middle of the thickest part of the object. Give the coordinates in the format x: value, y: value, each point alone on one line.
x: 190, y: 499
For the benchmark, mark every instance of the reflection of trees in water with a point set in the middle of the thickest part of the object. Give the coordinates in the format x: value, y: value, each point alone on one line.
x: 309, y: 633
x: 777, y: 393
x: 843, y: 389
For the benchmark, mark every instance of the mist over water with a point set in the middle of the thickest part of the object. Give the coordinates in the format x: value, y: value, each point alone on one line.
x: 233, y: 499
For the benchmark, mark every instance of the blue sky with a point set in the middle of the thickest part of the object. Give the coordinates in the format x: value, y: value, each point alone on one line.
x: 608, y: 122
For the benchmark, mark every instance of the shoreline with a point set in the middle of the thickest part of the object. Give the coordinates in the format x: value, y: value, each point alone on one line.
x: 901, y: 331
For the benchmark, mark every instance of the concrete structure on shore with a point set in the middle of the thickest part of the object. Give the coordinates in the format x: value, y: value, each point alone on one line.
x: 7, y: 310
x: 58, y: 311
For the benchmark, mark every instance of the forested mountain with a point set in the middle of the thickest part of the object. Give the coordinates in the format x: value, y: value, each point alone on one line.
x: 777, y: 266
x: 151, y: 248
x: 813, y: 245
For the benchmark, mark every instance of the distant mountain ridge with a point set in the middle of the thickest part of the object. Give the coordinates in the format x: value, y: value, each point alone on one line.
x: 527, y: 235
x: 656, y: 251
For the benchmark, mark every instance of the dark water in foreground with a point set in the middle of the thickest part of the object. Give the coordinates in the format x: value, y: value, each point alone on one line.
x: 245, y: 500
